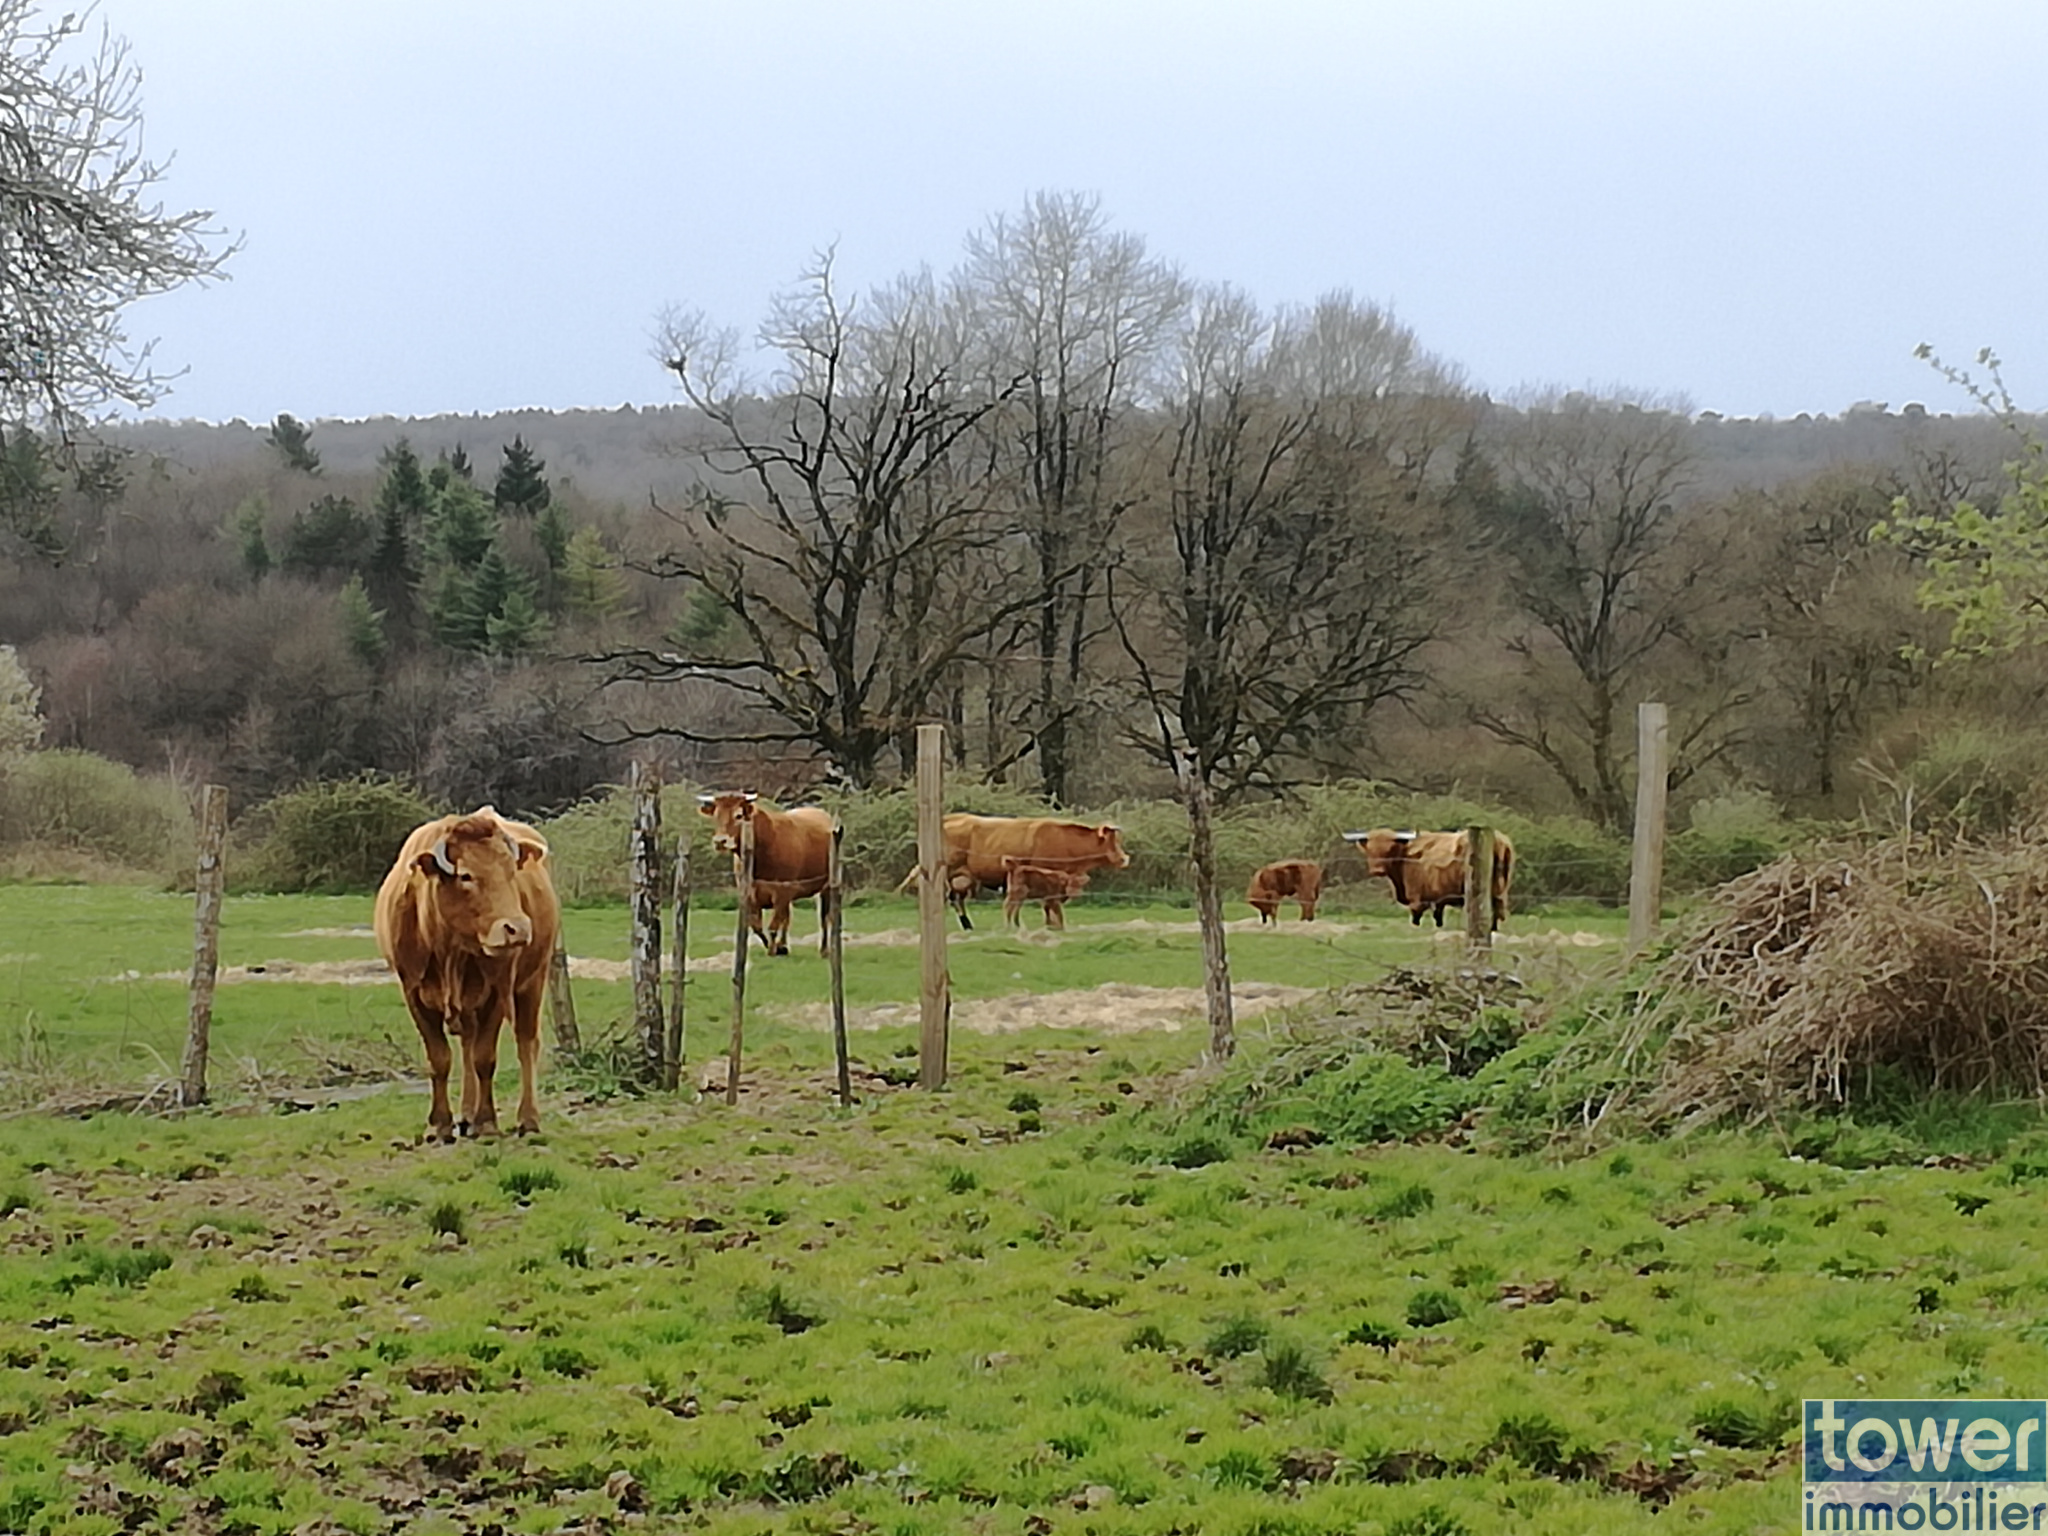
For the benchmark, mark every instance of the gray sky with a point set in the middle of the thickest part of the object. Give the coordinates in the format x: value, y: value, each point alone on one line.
x: 475, y: 205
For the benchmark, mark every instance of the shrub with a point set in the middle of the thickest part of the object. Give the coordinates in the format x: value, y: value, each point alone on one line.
x: 92, y: 805
x: 339, y: 836
x: 1729, y: 836
x: 1433, y: 1307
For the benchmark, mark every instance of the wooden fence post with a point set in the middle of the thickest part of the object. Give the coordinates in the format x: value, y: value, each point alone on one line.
x: 645, y: 956
x: 208, y: 886
x: 678, y: 965
x: 835, y: 955
x: 1479, y: 888
x: 1209, y: 914
x: 743, y: 881
x: 1646, y: 865
x: 935, y: 989
x: 562, y: 1001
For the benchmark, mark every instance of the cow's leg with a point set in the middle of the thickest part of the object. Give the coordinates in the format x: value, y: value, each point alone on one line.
x: 824, y: 930
x: 778, y: 926
x: 482, y: 1054
x: 1055, y: 913
x: 960, y: 906
x: 465, y: 1123
x: 526, y: 1036
x: 1415, y: 916
x: 1308, y: 911
x: 434, y: 1035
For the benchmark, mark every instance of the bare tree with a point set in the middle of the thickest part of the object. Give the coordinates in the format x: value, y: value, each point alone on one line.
x: 1069, y: 319
x: 859, y: 566
x: 1288, y: 591
x: 1609, y: 579
x: 80, y: 230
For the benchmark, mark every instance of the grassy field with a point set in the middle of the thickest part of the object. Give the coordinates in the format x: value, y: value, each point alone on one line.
x: 93, y: 977
x: 1029, y: 1304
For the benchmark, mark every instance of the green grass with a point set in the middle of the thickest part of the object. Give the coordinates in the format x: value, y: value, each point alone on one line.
x: 93, y: 976
x: 792, y: 1318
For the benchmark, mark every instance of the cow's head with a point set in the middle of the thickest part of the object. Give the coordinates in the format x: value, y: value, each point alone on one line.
x: 1111, y: 837
x: 474, y: 866
x: 727, y: 812
x: 1382, y: 847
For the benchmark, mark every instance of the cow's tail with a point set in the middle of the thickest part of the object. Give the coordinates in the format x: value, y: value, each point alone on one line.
x: 1503, y: 878
x: 909, y: 882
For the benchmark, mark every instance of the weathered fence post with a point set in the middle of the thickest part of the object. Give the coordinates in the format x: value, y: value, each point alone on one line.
x: 743, y: 881
x: 935, y: 983
x: 645, y: 957
x: 1646, y: 866
x: 1209, y: 914
x: 561, y: 1001
x: 835, y: 955
x: 1479, y: 888
x: 211, y: 879
x: 678, y: 964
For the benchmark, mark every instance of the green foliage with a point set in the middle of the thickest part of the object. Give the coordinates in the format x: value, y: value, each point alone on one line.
x: 335, y: 836
x: 448, y: 1219
x: 1243, y: 1334
x: 464, y: 528
x: 1432, y: 1307
x: 21, y: 719
x: 1289, y: 1370
x: 523, y: 1183
x: 28, y: 492
x: 293, y: 440
x: 75, y: 800
x: 361, y: 624
x: 1729, y: 836
x: 248, y: 529
x: 1741, y: 1423
x: 122, y: 1267
x: 331, y: 537
x: 522, y: 487
x: 592, y: 587
x: 1971, y: 779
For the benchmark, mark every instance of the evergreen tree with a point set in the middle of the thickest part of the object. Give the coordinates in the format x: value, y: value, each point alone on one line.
x: 393, y: 573
x: 517, y: 626
x: 362, y: 624
x: 521, y: 488
x: 249, y: 530
x: 592, y: 587
x: 458, y: 463
x: 455, y: 622
x: 551, y: 533
x: 464, y: 527
x: 404, y: 486
x: 293, y: 439
x: 28, y: 492
x: 332, y: 535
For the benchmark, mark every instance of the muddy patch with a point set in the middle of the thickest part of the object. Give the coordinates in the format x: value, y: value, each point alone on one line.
x: 1114, y: 1008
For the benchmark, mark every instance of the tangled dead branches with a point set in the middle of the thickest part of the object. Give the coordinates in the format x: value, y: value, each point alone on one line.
x: 1806, y: 980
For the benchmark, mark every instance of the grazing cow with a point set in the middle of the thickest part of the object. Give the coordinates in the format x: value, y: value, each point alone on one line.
x: 1427, y: 869
x: 1034, y: 882
x: 1299, y: 879
x: 792, y: 858
x: 976, y: 847
x: 467, y: 920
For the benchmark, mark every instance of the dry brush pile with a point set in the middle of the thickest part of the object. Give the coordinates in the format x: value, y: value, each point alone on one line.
x: 1817, y: 978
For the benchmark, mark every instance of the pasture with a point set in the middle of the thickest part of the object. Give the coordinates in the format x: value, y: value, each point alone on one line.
x: 1030, y: 1304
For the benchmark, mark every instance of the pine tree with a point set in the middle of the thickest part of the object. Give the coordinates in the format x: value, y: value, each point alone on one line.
x: 393, y: 572
x: 521, y: 488
x: 517, y: 626
x: 551, y: 533
x: 464, y: 524
x: 592, y: 587
x: 293, y: 439
x: 362, y: 624
x: 28, y: 492
x: 450, y: 609
x: 404, y: 486
x: 249, y: 530
x: 330, y: 535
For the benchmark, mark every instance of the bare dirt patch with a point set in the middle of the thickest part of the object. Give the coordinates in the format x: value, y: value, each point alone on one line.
x: 1114, y: 1008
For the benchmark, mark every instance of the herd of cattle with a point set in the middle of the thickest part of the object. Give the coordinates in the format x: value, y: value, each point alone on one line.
x: 467, y: 917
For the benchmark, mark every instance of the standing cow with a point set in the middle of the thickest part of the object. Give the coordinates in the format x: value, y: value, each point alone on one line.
x: 1427, y: 869
x: 467, y: 921
x: 792, y: 858
x: 1035, y: 882
x: 1298, y: 879
x: 977, y: 847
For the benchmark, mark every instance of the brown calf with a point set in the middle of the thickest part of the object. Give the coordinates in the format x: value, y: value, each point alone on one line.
x: 1037, y: 882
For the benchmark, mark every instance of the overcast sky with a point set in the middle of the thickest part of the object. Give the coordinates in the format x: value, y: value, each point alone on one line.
x: 476, y: 205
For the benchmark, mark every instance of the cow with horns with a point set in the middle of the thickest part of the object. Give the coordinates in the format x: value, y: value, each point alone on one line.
x: 1427, y: 869
x: 467, y: 919
x: 792, y: 858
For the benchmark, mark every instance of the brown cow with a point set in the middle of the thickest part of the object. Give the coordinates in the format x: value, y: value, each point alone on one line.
x: 976, y: 847
x: 1301, y: 879
x: 792, y: 858
x: 1427, y: 869
x: 467, y: 921
x: 1034, y: 882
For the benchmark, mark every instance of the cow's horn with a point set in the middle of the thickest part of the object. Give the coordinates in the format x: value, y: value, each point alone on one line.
x: 512, y: 846
x: 441, y: 857
x: 1356, y: 837
x: 752, y: 797
x: 1404, y: 837
x: 707, y: 799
